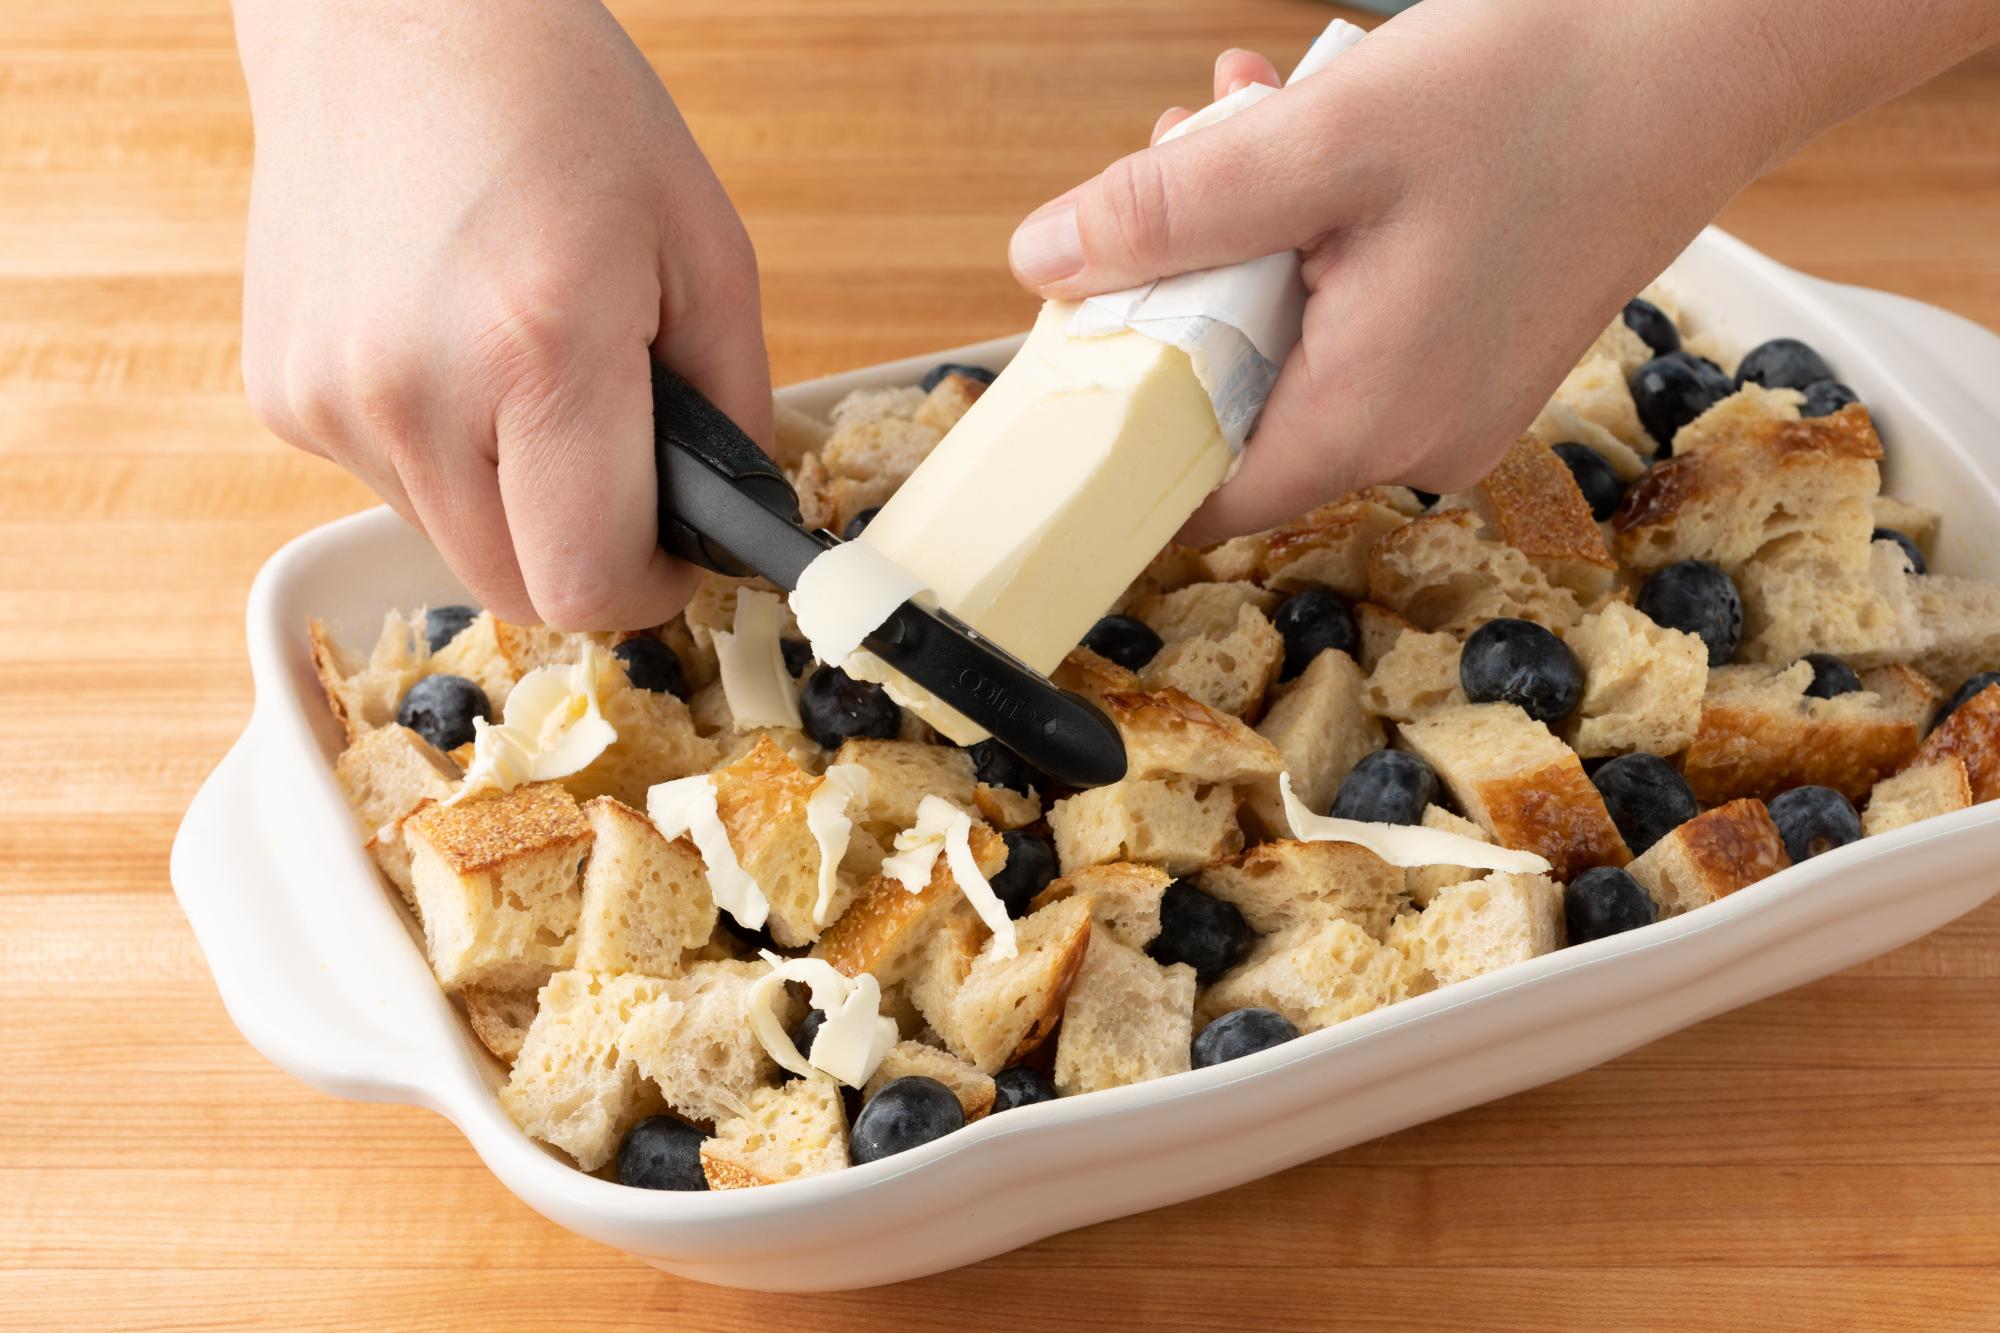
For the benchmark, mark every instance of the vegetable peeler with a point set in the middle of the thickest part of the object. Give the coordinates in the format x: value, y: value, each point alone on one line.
x: 726, y: 506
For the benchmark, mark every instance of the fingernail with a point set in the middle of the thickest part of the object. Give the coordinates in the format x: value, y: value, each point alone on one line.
x: 1226, y: 54
x: 1047, y: 247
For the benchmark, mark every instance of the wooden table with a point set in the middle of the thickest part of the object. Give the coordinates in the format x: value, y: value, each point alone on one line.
x: 1829, y: 1157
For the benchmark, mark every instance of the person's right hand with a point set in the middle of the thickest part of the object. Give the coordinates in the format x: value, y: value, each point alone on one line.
x: 468, y: 226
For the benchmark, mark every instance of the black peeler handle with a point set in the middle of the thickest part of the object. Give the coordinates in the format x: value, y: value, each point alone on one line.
x: 725, y: 505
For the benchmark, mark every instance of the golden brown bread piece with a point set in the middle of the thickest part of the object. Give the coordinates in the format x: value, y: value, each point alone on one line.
x: 1711, y: 856
x: 1170, y: 734
x: 1531, y: 502
x: 1810, y: 480
x: 913, y: 1059
x: 885, y: 928
x: 1919, y: 793
x: 1230, y: 670
x: 1277, y: 884
x: 1971, y: 734
x: 1124, y: 898
x: 1761, y: 734
x: 762, y: 801
x: 1321, y: 729
x: 794, y: 1130
x: 1328, y: 547
x: 1440, y: 573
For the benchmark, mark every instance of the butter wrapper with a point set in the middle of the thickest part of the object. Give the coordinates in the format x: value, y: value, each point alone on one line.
x: 1237, y: 323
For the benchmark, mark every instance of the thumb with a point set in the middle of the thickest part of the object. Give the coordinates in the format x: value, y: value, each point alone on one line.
x: 1264, y: 181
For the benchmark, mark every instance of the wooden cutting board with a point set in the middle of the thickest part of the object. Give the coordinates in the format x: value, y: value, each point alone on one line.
x: 1827, y: 1158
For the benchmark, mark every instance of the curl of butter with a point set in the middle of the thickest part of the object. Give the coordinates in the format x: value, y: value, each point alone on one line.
x: 552, y: 726
x: 1404, y: 844
x: 842, y: 786
x: 845, y: 594
x: 852, y: 1040
x: 686, y: 807
x: 943, y: 827
x: 751, y: 665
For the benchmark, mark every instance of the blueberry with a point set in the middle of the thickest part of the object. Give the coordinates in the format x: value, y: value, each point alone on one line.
x: 1425, y: 498
x: 1238, y: 1033
x: 441, y: 709
x: 757, y: 941
x: 1645, y: 797
x: 1312, y: 622
x: 1782, y: 363
x: 1387, y: 787
x: 1964, y: 692
x: 1671, y: 391
x: 1699, y: 598
x: 1902, y: 539
x: 1121, y: 639
x: 652, y: 665
x: 1826, y: 397
x: 936, y: 374
x: 662, y: 1153
x: 905, y: 1114
x: 1812, y: 820
x: 442, y: 624
x: 1602, y: 490
x: 997, y: 766
x: 1832, y: 677
x: 1206, y: 933
x: 1520, y: 662
x: 798, y: 656
x: 1031, y: 864
x: 805, y: 1034
x: 1018, y: 1085
x: 1652, y: 325
x: 835, y: 706
x: 859, y: 523
x: 1604, y: 900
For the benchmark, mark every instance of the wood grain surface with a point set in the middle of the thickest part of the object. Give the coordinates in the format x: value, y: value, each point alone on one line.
x: 1828, y: 1158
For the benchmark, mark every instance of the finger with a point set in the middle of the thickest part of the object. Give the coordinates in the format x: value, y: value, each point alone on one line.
x: 455, y: 492
x: 577, y: 479
x: 1237, y: 68
x: 711, y: 330
x: 1169, y: 118
x: 1183, y: 205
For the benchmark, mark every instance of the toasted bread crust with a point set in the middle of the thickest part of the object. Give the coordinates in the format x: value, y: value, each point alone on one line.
x: 1536, y: 508
x: 327, y: 666
x: 486, y: 832
x: 1972, y: 734
x: 1733, y: 845
x: 1169, y: 733
x: 1328, y: 546
x: 1556, y: 812
x: 1075, y: 948
x: 1758, y: 744
x: 887, y: 922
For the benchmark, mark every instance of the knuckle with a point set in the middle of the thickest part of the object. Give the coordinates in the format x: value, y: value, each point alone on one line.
x: 537, y: 335
x: 1135, y: 201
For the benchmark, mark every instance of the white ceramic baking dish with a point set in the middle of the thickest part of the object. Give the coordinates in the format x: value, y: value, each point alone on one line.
x: 324, y: 973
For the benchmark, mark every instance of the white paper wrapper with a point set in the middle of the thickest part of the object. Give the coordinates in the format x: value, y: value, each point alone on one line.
x: 1237, y: 324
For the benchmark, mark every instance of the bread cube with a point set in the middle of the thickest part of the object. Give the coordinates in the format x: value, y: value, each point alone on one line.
x: 1598, y: 391
x: 1923, y: 792
x: 501, y: 1016
x: 1917, y: 522
x: 1316, y: 973
x: 887, y: 925
x: 787, y: 1133
x: 1626, y: 350
x: 1798, y: 599
x: 1473, y: 928
x: 1440, y: 573
x: 1522, y: 785
x: 1230, y: 672
x: 1172, y: 822
x: 1129, y: 1019
x: 1202, y: 609
x: 1957, y: 627
x: 938, y: 970
x: 385, y: 775
x: 1169, y: 734
x: 645, y: 899
x: 1328, y: 547
x: 1809, y: 481
x: 886, y: 449
x: 365, y: 694
x: 1530, y: 501
x: 713, y: 607
x: 1711, y: 856
x: 1742, y: 413
x: 1005, y: 808
x: 1124, y: 899
x: 572, y: 1085
x: 1972, y: 735
x: 1422, y: 883
x: 913, y: 1059
x: 657, y: 742
x: 527, y: 647
x: 1379, y: 628
x: 1320, y: 729
x: 762, y: 801
x: 1561, y: 423
x: 1278, y: 884
x: 496, y: 883
x: 1761, y: 734
x: 864, y: 405
x: 1417, y: 675
x: 901, y: 774
x: 795, y: 434
x: 949, y: 399
x: 694, y: 1042
x: 475, y: 653
x: 1006, y: 1007
x: 1642, y: 684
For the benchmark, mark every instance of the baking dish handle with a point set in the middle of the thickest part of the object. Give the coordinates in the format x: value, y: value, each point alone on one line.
x: 297, y: 989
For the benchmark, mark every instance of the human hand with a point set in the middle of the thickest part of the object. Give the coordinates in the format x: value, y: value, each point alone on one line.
x: 1474, y: 190
x: 468, y: 226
